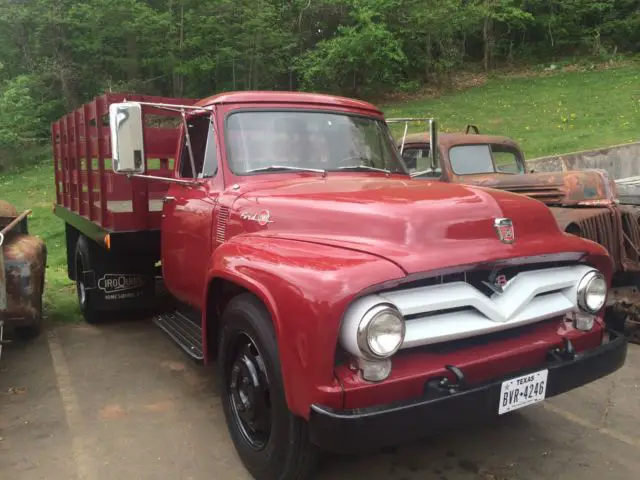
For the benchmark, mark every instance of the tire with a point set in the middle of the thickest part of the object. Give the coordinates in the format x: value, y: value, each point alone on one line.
x: 278, y: 448
x: 86, y: 301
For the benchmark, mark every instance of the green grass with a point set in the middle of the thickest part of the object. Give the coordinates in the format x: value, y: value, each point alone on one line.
x: 547, y: 114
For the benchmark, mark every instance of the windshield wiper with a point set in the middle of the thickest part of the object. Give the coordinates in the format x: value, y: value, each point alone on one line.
x: 416, y: 174
x: 363, y: 167
x: 286, y: 167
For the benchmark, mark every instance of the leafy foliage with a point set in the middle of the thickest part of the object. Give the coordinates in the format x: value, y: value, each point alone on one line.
x: 57, y: 54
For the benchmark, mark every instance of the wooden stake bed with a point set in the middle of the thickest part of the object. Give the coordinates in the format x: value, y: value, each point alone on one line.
x: 85, y: 183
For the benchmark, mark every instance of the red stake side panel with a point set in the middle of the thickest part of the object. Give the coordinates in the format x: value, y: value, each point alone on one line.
x: 85, y: 182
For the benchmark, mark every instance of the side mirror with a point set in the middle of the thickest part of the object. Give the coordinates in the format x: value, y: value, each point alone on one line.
x: 433, y: 140
x: 127, y: 141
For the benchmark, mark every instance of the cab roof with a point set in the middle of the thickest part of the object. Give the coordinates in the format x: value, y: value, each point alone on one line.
x: 257, y: 97
x: 448, y: 140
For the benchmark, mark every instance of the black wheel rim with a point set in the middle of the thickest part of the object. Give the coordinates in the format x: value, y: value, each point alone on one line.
x: 248, y: 392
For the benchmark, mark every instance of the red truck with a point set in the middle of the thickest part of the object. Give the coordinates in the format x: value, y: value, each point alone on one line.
x: 346, y: 306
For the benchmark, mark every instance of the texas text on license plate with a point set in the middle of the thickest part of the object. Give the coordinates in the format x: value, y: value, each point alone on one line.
x: 522, y: 391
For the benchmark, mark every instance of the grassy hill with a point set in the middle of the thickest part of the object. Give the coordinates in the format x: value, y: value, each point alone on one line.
x: 551, y: 114
x: 547, y: 114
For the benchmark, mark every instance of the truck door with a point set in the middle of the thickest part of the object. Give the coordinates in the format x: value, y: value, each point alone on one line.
x: 187, y: 215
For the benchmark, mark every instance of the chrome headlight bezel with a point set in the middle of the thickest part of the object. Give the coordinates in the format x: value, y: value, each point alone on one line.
x: 366, y: 324
x: 584, y: 286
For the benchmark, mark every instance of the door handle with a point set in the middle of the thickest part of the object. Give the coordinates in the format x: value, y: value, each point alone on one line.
x: 168, y: 199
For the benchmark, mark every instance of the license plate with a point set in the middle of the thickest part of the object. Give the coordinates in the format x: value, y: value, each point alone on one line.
x: 522, y: 391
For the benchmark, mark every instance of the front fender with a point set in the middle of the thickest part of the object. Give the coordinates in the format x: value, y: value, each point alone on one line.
x: 306, y: 287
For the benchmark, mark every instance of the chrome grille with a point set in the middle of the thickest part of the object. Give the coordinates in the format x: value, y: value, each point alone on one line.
x: 221, y: 224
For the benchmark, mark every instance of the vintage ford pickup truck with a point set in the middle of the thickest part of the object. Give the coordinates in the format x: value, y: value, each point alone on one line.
x: 346, y: 305
x: 584, y: 202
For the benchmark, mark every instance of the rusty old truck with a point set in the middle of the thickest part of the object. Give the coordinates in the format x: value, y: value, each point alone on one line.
x: 584, y: 202
x: 22, y: 270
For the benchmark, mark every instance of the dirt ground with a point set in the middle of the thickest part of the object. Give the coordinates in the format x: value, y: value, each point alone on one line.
x: 121, y: 402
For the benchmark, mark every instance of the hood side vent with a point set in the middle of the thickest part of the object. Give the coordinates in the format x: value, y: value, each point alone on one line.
x: 221, y: 224
x: 551, y: 194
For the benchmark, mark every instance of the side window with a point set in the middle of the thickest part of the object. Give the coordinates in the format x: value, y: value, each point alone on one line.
x: 410, y: 157
x: 506, y: 160
x: 417, y: 160
x: 203, y: 146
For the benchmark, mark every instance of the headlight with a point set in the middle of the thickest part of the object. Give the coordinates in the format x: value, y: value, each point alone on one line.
x: 381, y: 331
x: 592, y: 292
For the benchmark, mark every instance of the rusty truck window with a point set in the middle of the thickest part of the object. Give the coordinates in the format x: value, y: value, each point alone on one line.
x: 418, y: 160
x: 483, y: 158
x: 506, y: 161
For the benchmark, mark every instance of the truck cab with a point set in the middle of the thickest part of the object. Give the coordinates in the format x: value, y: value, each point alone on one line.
x: 345, y: 305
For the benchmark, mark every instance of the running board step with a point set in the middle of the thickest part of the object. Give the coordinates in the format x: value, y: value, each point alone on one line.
x: 186, y: 333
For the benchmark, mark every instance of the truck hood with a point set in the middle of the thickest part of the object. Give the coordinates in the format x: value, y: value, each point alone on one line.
x: 419, y: 225
x: 576, y: 187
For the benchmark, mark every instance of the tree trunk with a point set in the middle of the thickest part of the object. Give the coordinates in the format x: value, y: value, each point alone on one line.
x: 429, y: 57
x: 180, y: 77
x: 487, y: 37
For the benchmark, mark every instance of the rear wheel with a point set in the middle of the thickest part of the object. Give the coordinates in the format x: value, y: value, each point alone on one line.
x: 86, y: 301
x: 272, y: 443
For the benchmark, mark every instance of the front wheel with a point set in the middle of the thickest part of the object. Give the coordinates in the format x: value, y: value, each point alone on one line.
x: 272, y: 443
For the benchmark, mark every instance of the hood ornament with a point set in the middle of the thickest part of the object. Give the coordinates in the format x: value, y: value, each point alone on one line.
x: 504, y: 230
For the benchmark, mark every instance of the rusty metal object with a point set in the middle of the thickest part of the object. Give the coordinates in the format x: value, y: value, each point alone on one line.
x: 573, y: 188
x: 600, y: 225
x: 24, y: 257
x: 22, y: 270
x: 14, y: 222
x: 448, y: 140
x: 568, y: 188
x: 7, y: 210
x: 625, y: 304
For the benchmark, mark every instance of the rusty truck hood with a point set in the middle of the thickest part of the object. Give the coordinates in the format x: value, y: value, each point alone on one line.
x: 571, y: 188
x: 419, y: 225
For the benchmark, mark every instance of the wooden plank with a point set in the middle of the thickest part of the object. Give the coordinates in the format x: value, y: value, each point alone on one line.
x: 104, y: 214
x: 56, y: 160
x: 86, y: 113
x: 78, y: 161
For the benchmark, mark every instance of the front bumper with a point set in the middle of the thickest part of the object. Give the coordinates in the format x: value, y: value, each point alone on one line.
x: 365, y: 429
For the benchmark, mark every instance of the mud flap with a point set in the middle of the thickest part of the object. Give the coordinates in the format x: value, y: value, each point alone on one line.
x: 120, y: 288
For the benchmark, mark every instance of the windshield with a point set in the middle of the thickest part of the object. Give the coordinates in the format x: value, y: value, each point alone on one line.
x: 484, y: 158
x: 272, y: 141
